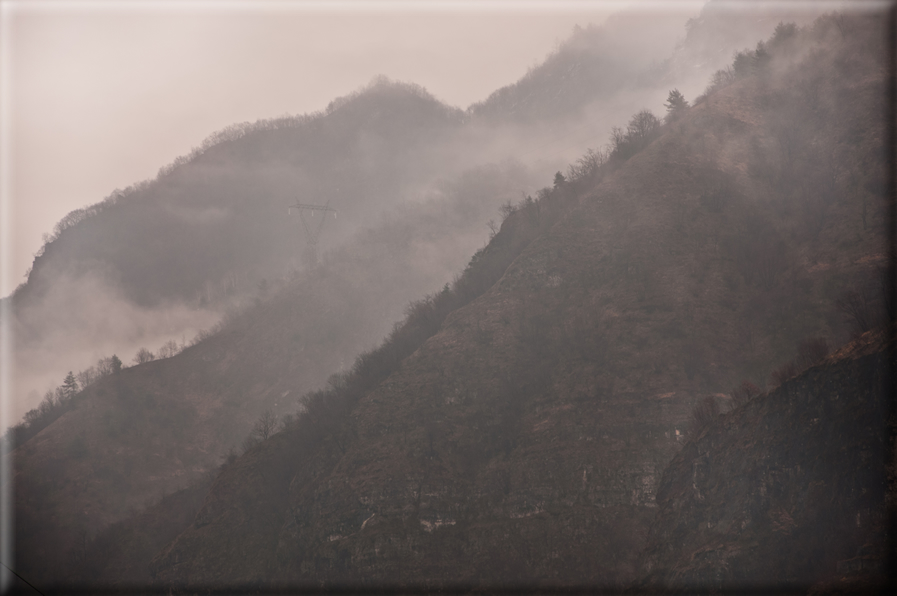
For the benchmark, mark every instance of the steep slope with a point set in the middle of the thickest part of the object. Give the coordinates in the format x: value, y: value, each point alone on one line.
x: 115, y: 554
x: 524, y: 441
x: 167, y: 257
x: 801, y: 469
x: 320, y: 427
x: 633, y: 55
x: 222, y: 210
x: 156, y: 427
x: 595, y: 78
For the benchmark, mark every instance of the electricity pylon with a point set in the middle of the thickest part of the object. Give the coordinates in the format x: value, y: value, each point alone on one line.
x: 312, y: 233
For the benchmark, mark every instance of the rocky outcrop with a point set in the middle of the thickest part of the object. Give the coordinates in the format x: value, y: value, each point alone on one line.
x: 788, y: 490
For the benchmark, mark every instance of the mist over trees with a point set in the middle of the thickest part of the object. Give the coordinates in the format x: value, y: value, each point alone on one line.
x: 583, y: 325
x: 202, y: 236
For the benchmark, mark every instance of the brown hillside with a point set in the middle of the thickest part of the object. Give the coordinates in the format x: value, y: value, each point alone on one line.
x: 524, y: 442
x: 161, y: 426
x: 799, y: 470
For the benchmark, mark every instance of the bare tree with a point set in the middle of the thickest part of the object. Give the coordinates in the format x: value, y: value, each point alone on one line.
x: 642, y: 126
x: 87, y: 376
x: 265, y: 425
x: 169, y: 349
x: 587, y: 164
x: 143, y: 356
x: 104, y: 367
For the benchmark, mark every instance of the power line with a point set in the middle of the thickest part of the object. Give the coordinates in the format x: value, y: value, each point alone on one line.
x: 312, y: 233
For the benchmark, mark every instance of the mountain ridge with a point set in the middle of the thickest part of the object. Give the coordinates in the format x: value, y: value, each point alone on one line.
x: 536, y: 400
x: 481, y: 438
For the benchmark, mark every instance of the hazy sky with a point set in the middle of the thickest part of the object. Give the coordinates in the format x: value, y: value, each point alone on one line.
x: 99, y: 95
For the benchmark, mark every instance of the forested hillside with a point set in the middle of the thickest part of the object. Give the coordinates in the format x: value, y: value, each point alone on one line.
x: 165, y: 258
x: 517, y: 426
x: 150, y: 429
x: 518, y: 433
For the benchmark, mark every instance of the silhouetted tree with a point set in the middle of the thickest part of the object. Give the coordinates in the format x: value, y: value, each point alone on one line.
x: 69, y: 386
x: 642, y: 126
x: 143, y: 356
x: 115, y: 364
x: 743, y: 64
x: 506, y: 209
x: 87, y: 376
x: 676, y: 105
x: 265, y: 425
x: 46, y: 407
x: 783, y: 35
x: 585, y: 165
x: 640, y: 131
x: 761, y: 56
x: 720, y: 79
x: 559, y: 180
x: 617, y: 138
x: 169, y: 349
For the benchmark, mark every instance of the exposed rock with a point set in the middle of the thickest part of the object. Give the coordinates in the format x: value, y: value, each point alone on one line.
x: 788, y: 490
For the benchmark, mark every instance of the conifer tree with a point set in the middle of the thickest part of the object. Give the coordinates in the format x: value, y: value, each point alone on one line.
x: 675, y: 105
x: 69, y: 386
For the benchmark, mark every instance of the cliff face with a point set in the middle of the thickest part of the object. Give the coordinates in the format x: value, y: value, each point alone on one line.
x: 789, y: 489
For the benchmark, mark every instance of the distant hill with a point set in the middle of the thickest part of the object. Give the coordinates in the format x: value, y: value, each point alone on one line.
x: 221, y: 213
x: 165, y: 258
x: 601, y: 70
x: 158, y: 427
